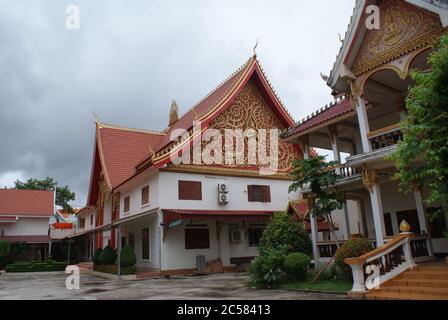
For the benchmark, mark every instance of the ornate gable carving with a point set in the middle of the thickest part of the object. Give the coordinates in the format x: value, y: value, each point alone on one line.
x: 404, y: 29
x: 250, y: 111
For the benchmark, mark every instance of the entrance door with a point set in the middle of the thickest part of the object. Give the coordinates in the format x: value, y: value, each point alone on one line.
x: 411, y: 217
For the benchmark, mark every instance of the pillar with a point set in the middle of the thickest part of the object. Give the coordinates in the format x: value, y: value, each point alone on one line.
x: 378, y: 215
x: 314, y: 239
x: 346, y: 220
x: 118, y: 252
x: 364, y: 127
x: 313, y: 220
x: 422, y: 219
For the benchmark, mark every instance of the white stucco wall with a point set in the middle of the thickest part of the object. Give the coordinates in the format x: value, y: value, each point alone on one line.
x: 134, y: 189
x: 237, y: 186
x: 26, y: 227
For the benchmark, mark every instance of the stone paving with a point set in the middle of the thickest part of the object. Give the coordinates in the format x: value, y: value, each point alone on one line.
x: 221, y: 287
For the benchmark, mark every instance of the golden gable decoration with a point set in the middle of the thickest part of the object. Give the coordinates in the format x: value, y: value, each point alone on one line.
x: 250, y: 111
x: 404, y: 29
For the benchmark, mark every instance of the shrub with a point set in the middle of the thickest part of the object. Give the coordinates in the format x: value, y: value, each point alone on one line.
x: 353, y: 248
x: 108, y: 256
x: 34, y: 266
x: 283, y: 231
x: 266, y: 270
x: 96, y: 257
x: 127, y: 257
x: 113, y: 269
x: 4, y: 251
x: 296, y: 266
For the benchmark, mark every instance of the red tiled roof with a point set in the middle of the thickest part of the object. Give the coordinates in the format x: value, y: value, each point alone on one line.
x: 26, y: 202
x: 207, y: 104
x: 122, y: 150
x: 28, y: 239
x: 300, y: 208
x: 342, y: 108
x: 321, y: 226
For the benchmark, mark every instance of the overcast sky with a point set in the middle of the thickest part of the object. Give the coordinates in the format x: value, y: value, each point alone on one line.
x: 131, y: 58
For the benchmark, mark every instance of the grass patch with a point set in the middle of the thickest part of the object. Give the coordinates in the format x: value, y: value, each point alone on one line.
x: 323, y: 285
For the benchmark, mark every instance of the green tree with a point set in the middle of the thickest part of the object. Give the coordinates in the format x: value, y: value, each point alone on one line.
x: 319, y: 176
x: 63, y: 194
x: 283, y: 232
x: 422, y: 156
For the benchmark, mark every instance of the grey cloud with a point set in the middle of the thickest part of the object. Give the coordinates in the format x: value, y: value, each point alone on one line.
x: 131, y: 58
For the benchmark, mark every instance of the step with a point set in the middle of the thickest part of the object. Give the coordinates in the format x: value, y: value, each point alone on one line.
x: 442, y: 268
x: 420, y: 283
x: 381, y: 295
x: 437, y: 275
x: 147, y: 275
x: 415, y: 289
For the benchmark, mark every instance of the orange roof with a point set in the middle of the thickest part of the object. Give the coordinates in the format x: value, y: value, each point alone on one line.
x: 26, y: 202
x: 122, y: 152
x: 122, y: 149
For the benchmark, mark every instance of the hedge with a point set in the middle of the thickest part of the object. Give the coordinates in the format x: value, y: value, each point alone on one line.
x: 36, y: 266
x: 113, y: 269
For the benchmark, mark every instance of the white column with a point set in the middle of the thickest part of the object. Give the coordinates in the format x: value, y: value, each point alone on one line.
x: 314, y: 239
x: 334, y: 143
x: 378, y: 215
x: 313, y: 220
x: 346, y: 221
x: 395, y: 226
x: 423, y: 221
x: 118, y: 251
x: 364, y: 127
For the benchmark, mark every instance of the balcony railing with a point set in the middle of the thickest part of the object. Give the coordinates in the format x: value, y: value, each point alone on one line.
x: 346, y: 171
x: 385, y: 137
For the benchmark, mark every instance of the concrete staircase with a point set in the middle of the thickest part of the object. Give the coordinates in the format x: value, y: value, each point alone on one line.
x: 426, y: 282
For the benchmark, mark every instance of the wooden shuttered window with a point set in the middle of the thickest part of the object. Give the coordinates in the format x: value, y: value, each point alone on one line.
x: 197, y: 239
x: 259, y: 193
x: 127, y: 204
x: 145, y: 195
x: 190, y: 190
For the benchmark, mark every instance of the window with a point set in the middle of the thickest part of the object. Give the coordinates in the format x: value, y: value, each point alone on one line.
x: 197, y: 239
x: 255, y: 235
x: 127, y: 204
x: 145, y: 244
x: 82, y: 223
x: 123, y: 242
x: 259, y: 193
x: 145, y: 195
x: 91, y: 219
x: 190, y: 190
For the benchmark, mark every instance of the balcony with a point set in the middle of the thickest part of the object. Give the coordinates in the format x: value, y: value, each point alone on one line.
x: 384, y: 142
x: 386, y: 137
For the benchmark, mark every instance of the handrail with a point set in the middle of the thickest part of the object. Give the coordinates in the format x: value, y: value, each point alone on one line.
x: 380, y: 132
x: 378, y: 252
x: 390, y: 260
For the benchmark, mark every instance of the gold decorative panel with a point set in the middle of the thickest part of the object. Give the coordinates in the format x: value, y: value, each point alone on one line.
x: 250, y: 111
x: 404, y: 29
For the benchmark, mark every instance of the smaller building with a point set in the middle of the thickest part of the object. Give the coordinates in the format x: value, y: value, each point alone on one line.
x: 24, y: 221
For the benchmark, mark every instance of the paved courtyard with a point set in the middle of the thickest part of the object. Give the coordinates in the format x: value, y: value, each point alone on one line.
x: 222, y: 287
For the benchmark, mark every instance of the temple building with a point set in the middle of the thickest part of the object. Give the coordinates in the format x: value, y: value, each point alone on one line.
x: 370, y: 81
x: 178, y: 216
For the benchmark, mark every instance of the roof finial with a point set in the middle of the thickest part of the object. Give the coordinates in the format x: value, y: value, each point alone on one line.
x: 97, y: 119
x: 255, y: 48
x: 174, y: 113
